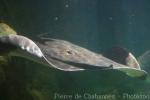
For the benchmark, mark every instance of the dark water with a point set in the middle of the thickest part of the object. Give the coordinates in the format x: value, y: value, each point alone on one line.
x: 94, y: 24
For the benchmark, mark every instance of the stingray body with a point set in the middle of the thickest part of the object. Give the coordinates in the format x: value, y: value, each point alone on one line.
x: 67, y: 56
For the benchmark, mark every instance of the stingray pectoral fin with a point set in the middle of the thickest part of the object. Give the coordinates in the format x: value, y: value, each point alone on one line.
x: 133, y: 72
x: 22, y: 43
x: 87, y: 66
x: 122, y: 56
x: 61, y: 65
x: 72, y: 66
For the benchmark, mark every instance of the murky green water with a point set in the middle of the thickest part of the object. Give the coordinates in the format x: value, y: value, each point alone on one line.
x: 94, y: 24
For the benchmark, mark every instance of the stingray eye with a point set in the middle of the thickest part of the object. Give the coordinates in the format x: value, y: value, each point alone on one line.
x: 69, y: 52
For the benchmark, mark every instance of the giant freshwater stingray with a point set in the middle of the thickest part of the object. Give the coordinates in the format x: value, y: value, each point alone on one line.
x: 66, y: 56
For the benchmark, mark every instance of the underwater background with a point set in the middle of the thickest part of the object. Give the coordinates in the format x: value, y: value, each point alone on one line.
x: 94, y: 24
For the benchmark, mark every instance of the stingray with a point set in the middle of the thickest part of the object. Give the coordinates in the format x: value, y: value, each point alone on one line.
x: 66, y: 56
